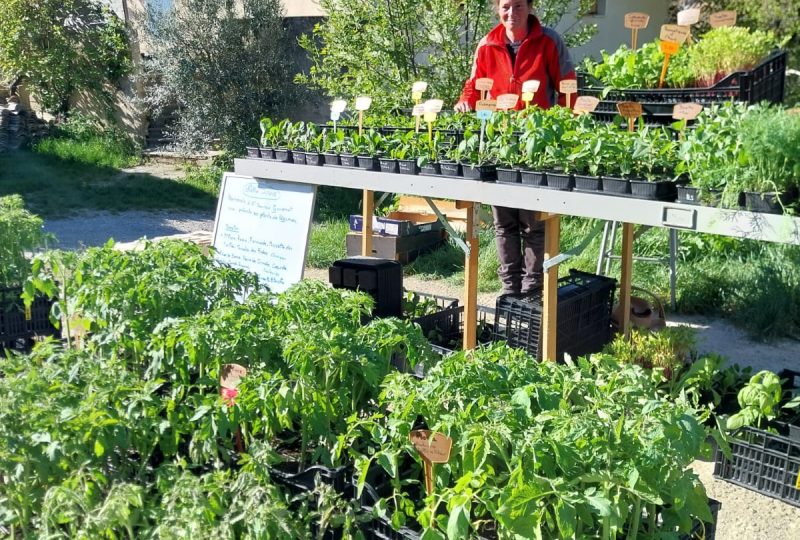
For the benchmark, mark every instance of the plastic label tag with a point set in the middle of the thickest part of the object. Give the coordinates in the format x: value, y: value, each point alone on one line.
x: 416, y: 96
x: 669, y: 47
x: 430, y: 117
x: 232, y: 375
x: 363, y: 103
x: 688, y: 17
x: 418, y: 110
x: 636, y: 20
x: 433, y: 105
x: 507, y: 101
x: 484, y: 84
x: 27, y: 313
x: 483, y: 114
x: 585, y: 104
x: 338, y: 105
x: 527, y: 96
x: 433, y: 447
x: 531, y: 86
x: 419, y: 87
x: 335, y: 115
x: 686, y: 111
x: 568, y: 86
x: 674, y: 32
x: 722, y: 18
x: 629, y: 109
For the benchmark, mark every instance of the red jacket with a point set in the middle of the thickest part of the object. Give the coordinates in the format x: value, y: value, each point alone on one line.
x: 542, y: 56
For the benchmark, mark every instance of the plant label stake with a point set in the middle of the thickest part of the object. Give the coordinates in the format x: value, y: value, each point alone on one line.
x: 433, y: 448
x: 672, y: 35
x: 585, y: 104
x: 568, y: 87
x: 417, y: 89
x: 229, y: 379
x: 418, y: 111
x: 337, y: 108
x: 529, y: 89
x: 432, y: 108
x: 636, y: 21
x: 484, y: 85
x: 631, y: 110
x: 362, y: 104
x: 685, y: 112
x: 484, y: 109
x: 688, y: 17
x: 722, y: 18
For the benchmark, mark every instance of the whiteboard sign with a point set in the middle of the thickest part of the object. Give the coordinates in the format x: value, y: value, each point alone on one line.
x: 262, y: 226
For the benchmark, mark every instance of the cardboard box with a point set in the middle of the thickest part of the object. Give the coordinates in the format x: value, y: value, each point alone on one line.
x: 398, y: 223
x: 403, y: 249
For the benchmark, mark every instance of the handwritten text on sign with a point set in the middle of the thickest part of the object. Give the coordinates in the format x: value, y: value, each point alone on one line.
x: 636, y: 20
x: 263, y: 226
x: 434, y: 447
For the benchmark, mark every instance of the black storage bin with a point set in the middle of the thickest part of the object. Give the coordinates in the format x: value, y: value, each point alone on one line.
x: 15, y: 326
x: 445, y: 328
x: 584, y: 316
x: 381, y: 278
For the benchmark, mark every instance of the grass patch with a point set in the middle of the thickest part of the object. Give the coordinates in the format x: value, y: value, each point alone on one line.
x: 327, y: 243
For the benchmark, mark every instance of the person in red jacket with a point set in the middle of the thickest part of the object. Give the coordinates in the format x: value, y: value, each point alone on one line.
x: 519, y: 49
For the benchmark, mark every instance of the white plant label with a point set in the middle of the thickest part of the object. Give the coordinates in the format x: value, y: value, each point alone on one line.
x: 688, y: 17
x: 338, y: 106
x: 433, y: 105
x: 531, y: 86
x: 363, y: 103
x: 507, y: 101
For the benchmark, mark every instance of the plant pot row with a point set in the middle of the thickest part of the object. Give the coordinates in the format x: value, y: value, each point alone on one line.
x: 769, y: 202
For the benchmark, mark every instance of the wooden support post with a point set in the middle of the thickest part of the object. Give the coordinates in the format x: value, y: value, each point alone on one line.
x: 471, y: 277
x: 552, y: 246
x: 368, y: 207
x: 625, y: 278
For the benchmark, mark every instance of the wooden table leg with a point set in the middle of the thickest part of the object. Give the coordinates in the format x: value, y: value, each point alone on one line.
x: 368, y: 207
x: 625, y: 278
x: 471, y: 277
x: 552, y: 247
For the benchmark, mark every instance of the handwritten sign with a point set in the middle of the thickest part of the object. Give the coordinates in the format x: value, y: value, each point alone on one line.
x: 484, y: 84
x: 629, y: 109
x: 674, y: 32
x: 433, y: 447
x: 433, y: 105
x: 688, y: 17
x: 418, y: 110
x: 585, y: 104
x: 722, y: 18
x: 232, y: 375
x: 531, y: 86
x: 568, y: 86
x: 636, y: 20
x: 263, y: 226
x: 686, y: 111
x: 507, y: 101
x: 486, y: 105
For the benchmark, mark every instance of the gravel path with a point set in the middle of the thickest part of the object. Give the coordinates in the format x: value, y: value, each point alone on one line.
x: 744, y: 514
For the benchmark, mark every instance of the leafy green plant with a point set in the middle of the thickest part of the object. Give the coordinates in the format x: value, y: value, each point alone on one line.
x: 726, y: 49
x: 761, y: 401
x: 624, y: 68
x: 668, y: 349
x: 20, y: 232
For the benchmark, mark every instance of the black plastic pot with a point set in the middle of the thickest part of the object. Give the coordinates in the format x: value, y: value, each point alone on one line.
x: 698, y: 196
x: 408, y: 166
x: 388, y: 165
x: 485, y: 173
x: 267, y: 152
x: 283, y: 155
x: 348, y: 160
x: 616, y: 186
x: 530, y: 177
x: 368, y: 163
x: 331, y: 159
x: 662, y: 190
x: 768, y: 203
x: 253, y: 152
x: 508, y: 176
x: 432, y: 168
x: 585, y: 182
x: 314, y: 158
x: 450, y: 168
x: 561, y: 181
x: 299, y: 156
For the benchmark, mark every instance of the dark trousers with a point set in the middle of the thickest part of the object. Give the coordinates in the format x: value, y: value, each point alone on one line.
x: 520, y: 248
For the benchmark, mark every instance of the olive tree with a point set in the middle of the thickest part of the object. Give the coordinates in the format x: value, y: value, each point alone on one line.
x: 59, y: 47
x: 380, y: 47
x: 221, y: 65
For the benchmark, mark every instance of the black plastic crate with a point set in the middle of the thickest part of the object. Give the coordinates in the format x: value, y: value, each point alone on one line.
x: 765, y: 82
x: 15, y: 326
x: 445, y: 328
x: 300, y: 480
x: 584, y: 316
x: 381, y: 278
x: 763, y: 462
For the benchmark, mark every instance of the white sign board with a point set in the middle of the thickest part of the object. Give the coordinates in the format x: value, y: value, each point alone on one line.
x: 263, y: 226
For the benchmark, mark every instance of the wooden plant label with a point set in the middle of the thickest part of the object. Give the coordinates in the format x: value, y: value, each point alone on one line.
x: 688, y: 17
x: 363, y: 103
x: 531, y: 86
x: 484, y: 84
x: 629, y: 109
x: 231, y: 375
x: 686, y: 111
x: 636, y: 20
x: 669, y: 47
x: 418, y: 110
x: 585, y: 104
x: 568, y: 86
x: 486, y: 105
x: 507, y: 101
x: 433, y: 105
x: 433, y: 447
x: 674, y: 32
x: 338, y: 106
x: 722, y: 18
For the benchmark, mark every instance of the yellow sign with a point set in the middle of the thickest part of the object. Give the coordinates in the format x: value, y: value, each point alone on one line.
x: 669, y: 47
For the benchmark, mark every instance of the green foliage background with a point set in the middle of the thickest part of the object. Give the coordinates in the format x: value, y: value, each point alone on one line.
x: 62, y: 46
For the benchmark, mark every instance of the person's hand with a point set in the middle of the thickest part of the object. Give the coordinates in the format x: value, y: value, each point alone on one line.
x: 462, y: 106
